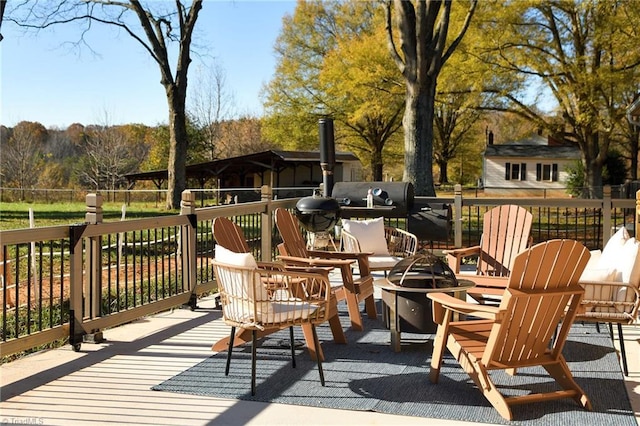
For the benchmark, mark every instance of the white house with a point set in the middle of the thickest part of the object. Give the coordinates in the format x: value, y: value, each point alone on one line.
x: 532, y: 165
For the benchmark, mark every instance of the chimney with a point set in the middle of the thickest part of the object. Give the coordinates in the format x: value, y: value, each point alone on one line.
x: 327, y: 154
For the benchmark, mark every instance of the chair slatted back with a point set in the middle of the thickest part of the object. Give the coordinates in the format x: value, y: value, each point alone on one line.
x: 505, y: 233
x: 294, y: 243
x: 542, y: 293
x: 229, y: 235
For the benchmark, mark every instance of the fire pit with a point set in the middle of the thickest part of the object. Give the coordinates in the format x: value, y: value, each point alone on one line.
x: 404, y: 293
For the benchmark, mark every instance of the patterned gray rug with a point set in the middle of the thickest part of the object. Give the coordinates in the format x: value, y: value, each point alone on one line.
x: 366, y: 374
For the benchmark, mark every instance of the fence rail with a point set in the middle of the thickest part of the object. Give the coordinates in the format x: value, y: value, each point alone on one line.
x: 70, y: 282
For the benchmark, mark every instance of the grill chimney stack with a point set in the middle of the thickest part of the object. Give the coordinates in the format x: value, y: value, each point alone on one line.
x: 327, y: 154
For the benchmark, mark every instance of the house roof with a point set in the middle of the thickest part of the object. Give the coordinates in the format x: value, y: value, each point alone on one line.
x: 569, y: 152
x: 275, y: 160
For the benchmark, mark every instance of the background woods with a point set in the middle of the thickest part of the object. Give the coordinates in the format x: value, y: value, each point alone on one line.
x: 567, y: 70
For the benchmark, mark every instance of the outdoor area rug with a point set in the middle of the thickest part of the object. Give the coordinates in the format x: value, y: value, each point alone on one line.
x: 366, y: 374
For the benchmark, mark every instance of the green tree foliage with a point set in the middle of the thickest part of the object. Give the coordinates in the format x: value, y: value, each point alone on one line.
x: 614, y: 172
x: 331, y: 62
x: 585, y: 53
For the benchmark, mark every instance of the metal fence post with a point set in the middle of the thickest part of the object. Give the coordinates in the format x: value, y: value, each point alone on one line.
x: 188, y: 251
x: 457, y: 216
x: 266, y: 196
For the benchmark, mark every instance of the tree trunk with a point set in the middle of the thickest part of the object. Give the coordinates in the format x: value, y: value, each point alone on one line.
x: 418, y: 137
x: 634, y: 142
x: 178, y: 143
x: 444, y: 175
x: 594, y: 155
x: 377, y: 165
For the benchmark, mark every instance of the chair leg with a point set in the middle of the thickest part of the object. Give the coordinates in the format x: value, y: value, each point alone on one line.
x: 293, y: 348
x: 623, y: 352
x: 253, y: 361
x: 317, y: 343
x: 233, y: 333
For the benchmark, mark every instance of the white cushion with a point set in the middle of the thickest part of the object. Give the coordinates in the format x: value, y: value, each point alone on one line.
x: 383, y: 262
x: 245, y: 260
x: 629, y: 266
x: 599, y: 274
x: 622, y: 256
x: 612, y: 249
x: 282, y: 311
x: 369, y: 233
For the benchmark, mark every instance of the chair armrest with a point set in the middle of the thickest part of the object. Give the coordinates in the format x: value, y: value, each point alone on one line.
x: 339, y: 254
x: 348, y: 242
x: 304, y: 285
x: 314, y: 262
x: 277, y: 266
x: 400, y: 242
x: 462, y: 252
x: 444, y: 302
x: 455, y: 256
x: 608, y: 294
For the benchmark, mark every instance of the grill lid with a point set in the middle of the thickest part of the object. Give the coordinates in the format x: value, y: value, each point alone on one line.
x: 423, y: 270
x: 317, y: 214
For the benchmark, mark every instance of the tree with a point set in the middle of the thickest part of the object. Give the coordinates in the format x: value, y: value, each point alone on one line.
x: 363, y: 92
x: 211, y: 104
x: 242, y: 136
x: 421, y: 29
x: 22, y: 155
x: 585, y: 53
x: 330, y: 63
x: 156, y: 30
x: 110, y: 155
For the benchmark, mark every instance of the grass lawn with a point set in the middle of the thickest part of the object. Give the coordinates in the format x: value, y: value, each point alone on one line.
x: 16, y: 215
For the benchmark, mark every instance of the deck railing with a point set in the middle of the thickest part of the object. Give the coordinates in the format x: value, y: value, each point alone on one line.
x: 71, y: 282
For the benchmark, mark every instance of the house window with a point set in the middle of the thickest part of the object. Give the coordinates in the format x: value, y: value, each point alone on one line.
x: 547, y: 172
x: 515, y: 171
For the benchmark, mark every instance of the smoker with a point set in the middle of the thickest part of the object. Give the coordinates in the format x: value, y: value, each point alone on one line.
x: 390, y: 199
x: 321, y: 212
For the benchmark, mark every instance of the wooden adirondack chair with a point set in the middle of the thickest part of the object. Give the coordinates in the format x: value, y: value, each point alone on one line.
x: 541, y: 299
x: 506, y: 232
x: 293, y: 251
x: 230, y: 236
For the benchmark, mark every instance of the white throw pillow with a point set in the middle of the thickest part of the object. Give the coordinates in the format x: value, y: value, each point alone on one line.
x: 595, y: 274
x: 629, y: 265
x: 369, y: 233
x: 245, y: 260
x: 613, y: 247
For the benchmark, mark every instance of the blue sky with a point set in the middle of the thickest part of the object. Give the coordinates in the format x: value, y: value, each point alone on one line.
x: 43, y: 80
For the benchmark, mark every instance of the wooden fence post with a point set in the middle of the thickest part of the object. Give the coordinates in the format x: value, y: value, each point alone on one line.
x: 93, y: 289
x: 266, y: 196
x: 457, y: 215
x: 607, y: 231
x: 187, y: 248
